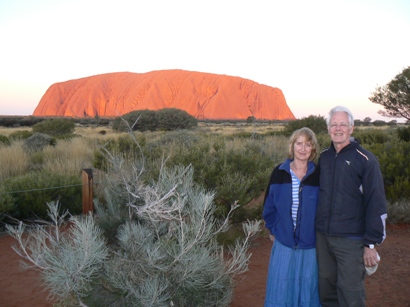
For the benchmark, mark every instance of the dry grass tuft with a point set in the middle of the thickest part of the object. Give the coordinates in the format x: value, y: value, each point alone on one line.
x: 13, y: 160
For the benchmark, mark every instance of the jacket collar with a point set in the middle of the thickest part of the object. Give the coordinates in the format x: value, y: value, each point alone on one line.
x: 286, y: 166
x: 353, y: 144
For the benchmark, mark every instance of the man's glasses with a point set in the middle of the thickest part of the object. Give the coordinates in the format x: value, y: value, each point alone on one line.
x: 340, y: 125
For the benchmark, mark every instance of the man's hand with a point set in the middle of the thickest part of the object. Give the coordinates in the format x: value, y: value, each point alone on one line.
x: 370, y: 257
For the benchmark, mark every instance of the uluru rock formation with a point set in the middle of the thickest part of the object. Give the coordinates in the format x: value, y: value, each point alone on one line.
x: 203, y: 95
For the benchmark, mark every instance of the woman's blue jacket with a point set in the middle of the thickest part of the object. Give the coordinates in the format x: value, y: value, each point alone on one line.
x: 277, y: 210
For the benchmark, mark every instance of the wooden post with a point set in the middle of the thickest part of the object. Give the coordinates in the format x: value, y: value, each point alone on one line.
x: 87, y: 197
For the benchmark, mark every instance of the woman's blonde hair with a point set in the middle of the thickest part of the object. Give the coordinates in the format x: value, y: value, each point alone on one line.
x: 310, y: 137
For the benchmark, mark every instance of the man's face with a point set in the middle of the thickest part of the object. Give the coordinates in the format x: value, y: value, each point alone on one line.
x: 340, y: 129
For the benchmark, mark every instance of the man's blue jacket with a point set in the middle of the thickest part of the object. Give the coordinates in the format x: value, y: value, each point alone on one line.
x: 352, y: 201
x: 277, y: 211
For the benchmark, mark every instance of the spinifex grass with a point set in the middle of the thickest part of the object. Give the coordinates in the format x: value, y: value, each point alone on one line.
x: 13, y: 160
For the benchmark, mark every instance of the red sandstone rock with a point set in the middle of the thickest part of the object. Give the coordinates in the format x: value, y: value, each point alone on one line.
x: 203, y: 95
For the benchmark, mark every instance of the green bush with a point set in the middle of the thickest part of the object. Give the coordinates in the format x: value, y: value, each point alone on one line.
x: 379, y: 123
x: 167, y: 119
x: 372, y: 136
x: 124, y: 146
x: 237, y: 174
x: 30, y: 193
x: 6, y: 206
x: 404, y: 134
x: 395, y: 167
x: 175, y: 119
x: 19, y: 121
x: 20, y: 135
x: 59, y: 128
x: 4, y: 140
x: 316, y: 123
x: 141, y: 120
x: 36, y: 160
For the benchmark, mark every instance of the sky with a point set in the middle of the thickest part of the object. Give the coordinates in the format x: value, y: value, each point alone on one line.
x: 320, y: 53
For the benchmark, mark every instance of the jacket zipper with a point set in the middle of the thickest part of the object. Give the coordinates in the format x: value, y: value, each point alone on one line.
x: 331, y: 203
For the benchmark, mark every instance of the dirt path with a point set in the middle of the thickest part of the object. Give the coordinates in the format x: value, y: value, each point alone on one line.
x: 389, y: 286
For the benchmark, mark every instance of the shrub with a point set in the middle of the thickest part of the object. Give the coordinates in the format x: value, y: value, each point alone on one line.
x: 316, y: 123
x: 59, y: 128
x: 404, y: 134
x: 70, y: 260
x: 165, y: 251
x: 38, y: 141
x: 236, y: 174
x: 125, y: 146
x: 4, y: 140
x: 141, y: 120
x: 395, y: 167
x: 371, y: 136
x: 398, y: 211
x: 167, y: 119
x: 20, y: 135
x: 175, y: 119
x: 18, y: 121
x: 6, y: 207
x: 379, y: 123
x: 251, y: 120
x: 31, y: 192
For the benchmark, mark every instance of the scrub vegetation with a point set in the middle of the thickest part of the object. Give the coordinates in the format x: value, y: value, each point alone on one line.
x: 165, y: 204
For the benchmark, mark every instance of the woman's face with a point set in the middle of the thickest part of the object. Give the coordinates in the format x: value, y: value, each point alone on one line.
x: 302, y: 149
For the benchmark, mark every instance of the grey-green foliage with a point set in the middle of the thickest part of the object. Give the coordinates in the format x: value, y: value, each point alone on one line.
x: 70, y: 260
x: 164, y: 251
x: 38, y: 141
x: 169, y: 252
x: 398, y: 211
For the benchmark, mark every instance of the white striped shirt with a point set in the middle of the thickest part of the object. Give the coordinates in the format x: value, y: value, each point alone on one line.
x: 295, y: 197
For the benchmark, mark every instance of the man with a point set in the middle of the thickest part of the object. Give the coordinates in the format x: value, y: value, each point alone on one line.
x: 351, y: 214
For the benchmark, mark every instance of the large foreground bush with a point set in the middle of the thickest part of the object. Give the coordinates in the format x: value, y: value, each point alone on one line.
x: 149, y: 244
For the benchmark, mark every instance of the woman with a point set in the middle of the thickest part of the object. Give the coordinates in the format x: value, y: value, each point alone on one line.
x: 289, y: 213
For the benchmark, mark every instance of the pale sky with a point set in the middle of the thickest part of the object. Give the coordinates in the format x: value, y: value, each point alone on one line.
x: 320, y: 53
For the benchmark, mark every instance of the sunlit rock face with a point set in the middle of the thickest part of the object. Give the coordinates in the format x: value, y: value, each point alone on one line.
x: 203, y: 95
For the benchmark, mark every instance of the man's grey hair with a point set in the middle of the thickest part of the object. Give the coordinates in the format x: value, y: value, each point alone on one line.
x: 340, y: 109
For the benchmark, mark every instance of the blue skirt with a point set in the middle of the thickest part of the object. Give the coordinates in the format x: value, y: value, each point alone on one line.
x: 292, y: 277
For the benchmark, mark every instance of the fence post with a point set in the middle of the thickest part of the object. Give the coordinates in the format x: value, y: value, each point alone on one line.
x: 87, y: 186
